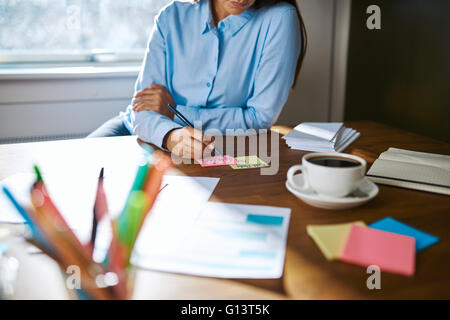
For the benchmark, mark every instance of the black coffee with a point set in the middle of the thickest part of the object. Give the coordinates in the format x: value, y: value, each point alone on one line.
x: 335, y: 162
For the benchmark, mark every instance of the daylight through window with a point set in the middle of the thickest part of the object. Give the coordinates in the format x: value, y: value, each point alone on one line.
x: 80, y: 30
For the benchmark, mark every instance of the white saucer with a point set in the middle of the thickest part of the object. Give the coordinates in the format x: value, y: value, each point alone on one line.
x: 366, y: 192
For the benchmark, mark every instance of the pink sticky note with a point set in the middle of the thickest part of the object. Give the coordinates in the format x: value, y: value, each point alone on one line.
x: 218, y: 161
x: 390, y: 251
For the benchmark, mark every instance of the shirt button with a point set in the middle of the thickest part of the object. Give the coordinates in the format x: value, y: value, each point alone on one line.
x: 208, y: 84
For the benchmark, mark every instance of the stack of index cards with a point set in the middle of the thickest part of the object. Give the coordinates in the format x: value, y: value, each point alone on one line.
x: 321, y: 137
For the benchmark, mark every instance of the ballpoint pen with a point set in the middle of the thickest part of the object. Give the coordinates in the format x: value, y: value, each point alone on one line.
x: 187, y: 122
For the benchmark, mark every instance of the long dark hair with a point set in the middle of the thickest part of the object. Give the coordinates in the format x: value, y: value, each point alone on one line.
x: 267, y: 3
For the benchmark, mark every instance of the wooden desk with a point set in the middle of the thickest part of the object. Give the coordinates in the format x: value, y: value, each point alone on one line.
x: 307, y: 274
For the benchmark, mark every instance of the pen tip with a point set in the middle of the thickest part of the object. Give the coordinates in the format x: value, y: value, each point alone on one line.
x: 102, y: 171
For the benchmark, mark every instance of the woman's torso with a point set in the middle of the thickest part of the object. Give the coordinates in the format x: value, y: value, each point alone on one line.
x: 213, y: 67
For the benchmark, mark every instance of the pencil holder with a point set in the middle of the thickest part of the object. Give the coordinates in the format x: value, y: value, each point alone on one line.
x: 107, y: 286
x: 84, y: 277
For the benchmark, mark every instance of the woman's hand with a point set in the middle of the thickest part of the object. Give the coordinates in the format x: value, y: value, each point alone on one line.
x: 189, y: 143
x: 155, y: 99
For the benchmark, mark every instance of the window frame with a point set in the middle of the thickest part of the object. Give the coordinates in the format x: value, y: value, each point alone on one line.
x: 94, y: 56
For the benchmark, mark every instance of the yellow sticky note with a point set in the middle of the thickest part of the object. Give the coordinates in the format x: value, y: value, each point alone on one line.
x: 331, y: 238
x: 249, y: 162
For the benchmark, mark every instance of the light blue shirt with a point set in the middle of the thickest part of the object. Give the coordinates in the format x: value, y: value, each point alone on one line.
x: 235, y: 76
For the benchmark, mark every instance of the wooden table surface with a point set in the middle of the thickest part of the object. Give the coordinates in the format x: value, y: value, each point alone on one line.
x: 307, y: 274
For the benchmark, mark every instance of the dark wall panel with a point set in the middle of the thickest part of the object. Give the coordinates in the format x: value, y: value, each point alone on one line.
x: 400, y: 75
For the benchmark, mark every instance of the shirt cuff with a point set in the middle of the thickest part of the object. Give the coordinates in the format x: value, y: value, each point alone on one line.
x: 190, y: 113
x: 159, y: 132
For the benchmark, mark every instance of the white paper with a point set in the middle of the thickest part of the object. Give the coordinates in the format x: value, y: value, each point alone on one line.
x: 424, y: 158
x: 323, y: 130
x: 300, y: 138
x: 351, y: 138
x: 177, y: 207
x: 19, y: 185
x: 302, y: 141
x: 74, y: 196
x: 223, y: 241
x: 72, y: 193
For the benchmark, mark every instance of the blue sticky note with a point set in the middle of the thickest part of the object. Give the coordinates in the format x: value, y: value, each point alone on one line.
x: 423, y: 239
x: 266, y: 220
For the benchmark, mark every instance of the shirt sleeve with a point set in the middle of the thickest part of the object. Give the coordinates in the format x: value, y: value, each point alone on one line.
x: 273, y: 80
x: 151, y: 126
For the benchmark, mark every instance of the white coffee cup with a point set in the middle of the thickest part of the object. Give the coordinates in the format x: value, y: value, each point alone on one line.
x: 326, y: 180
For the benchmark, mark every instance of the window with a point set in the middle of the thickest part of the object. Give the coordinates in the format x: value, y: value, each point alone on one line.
x: 75, y: 30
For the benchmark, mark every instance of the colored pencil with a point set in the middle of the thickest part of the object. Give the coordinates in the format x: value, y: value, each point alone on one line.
x: 100, y: 208
x: 53, y: 236
x: 29, y: 220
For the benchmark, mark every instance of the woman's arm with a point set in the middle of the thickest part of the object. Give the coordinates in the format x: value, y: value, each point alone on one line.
x: 273, y: 80
x: 151, y: 126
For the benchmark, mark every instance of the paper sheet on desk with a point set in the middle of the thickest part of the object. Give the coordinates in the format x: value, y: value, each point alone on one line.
x: 226, y: 241
x: 72, y: 191
x: 74, y: 194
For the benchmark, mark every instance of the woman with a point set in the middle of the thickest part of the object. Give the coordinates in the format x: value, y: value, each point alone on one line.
x: 227, y: 63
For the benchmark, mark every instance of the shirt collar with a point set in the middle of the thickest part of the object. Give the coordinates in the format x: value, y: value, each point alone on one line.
x: 232, y: 23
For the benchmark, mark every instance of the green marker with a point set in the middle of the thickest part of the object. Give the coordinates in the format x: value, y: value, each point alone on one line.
x: 140, y: 177
x: 134, y: 217
x: 138, y: 183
